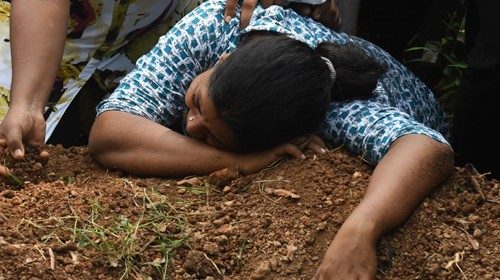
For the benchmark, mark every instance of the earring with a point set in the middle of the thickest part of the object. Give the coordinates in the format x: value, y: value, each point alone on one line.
x: 191, y: 119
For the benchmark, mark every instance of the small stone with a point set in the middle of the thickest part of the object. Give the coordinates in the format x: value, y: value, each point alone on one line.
x: 321, y: 226
x: 262, y: 270
x: 37, y: 167
x: 290, y: 252
x: 181, y: 191
x: 197, y: 263
x: 275, y: 243
x: 221, y: 221
x: 16, y: 201
x: 339, y: 201
x: 10, y: 250
x: 221, y: 239
x: 211, y: 248
x: 8, y: 194
x: 473, y: 218
x: 434, y: 269
x: 356, y: 175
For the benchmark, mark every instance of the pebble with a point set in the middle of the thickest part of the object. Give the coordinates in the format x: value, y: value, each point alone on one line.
x: 8, y: 194
x: 275, y: 243
x: 211, y: 248
x: 322, y: 226
x: 262, y: 270
x: 221, y: 239
x: 10, y: 250
x: 16, y: 201
x: 37, y: 167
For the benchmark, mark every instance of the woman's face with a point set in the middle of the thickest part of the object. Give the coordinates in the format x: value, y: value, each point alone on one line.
x: 202, y: 121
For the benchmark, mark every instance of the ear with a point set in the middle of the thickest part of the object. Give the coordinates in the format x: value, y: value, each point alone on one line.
x: 223, y: 57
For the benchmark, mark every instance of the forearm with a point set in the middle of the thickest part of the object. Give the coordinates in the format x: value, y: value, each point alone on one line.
x: 143, y: 147
x: 38, y: 33
x: 411, y: 169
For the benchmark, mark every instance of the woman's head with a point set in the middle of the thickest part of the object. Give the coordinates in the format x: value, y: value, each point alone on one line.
x: 270, y: 90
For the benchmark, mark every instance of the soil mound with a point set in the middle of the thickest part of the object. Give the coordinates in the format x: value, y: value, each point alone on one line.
x: 70, y: 219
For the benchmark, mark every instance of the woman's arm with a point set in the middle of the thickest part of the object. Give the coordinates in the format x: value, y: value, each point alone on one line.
x: 411, y: 169
x: 38, y: 33
x: 142, y: 147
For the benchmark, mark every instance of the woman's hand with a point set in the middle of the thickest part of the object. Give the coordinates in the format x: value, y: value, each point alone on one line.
x: 256, y: 161
x: 310, y: 142
x: 411, y: 169
x: 326, y: 13
x: 253, y: 162
x: 351, y: 255
x: 18, y: 127
x: 21, y: 125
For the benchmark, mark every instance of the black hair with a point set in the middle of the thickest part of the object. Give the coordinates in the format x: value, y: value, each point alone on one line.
x: 275, y: 88
x: 357, y: 72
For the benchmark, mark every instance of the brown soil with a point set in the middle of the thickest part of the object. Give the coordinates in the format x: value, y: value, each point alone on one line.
x: 71, y: 219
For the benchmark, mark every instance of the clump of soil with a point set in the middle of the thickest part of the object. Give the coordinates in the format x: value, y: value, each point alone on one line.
x: 43, y: 163
x: 83, y: 222
x: 30, y: 168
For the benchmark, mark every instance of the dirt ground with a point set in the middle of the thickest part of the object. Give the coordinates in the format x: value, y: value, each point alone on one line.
x: 70, y: 219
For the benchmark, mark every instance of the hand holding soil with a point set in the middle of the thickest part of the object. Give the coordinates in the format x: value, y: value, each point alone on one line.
x: 15, y: 171
x: 21, y: 126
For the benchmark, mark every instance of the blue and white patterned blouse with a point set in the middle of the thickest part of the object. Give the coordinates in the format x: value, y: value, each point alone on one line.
x: 401, y: 104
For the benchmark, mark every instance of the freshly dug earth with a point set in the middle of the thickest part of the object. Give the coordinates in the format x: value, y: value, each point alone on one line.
x: 70, y: 219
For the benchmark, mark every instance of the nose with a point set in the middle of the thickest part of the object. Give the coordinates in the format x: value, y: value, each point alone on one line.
x: 195, y: 127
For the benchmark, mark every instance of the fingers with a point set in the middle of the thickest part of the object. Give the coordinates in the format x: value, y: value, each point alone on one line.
x: 230, y: 10
x: 4, y: 174
x: 15, y: 144
x: 44, y: 157
x: 247, y: 8
x: 319, y: 10
x: 328, y: 14
x: 336, y: 19
x: 311, y: 142
x: 317, y: 146
x: 294, y: 151
x: 4, y: 171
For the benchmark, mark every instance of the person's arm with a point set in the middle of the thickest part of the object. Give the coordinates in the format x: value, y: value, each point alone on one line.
x: 38, y: 33
x: 140, y: 146
x: 411, y: 169
x: 327, y: 13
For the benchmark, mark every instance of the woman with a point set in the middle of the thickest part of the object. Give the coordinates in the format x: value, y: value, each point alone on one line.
x: 181, y: 84
x: 399, y: 126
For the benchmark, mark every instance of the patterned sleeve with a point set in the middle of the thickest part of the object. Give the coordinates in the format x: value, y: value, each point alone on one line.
x: 155, y: 89
x: 369, y: 128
